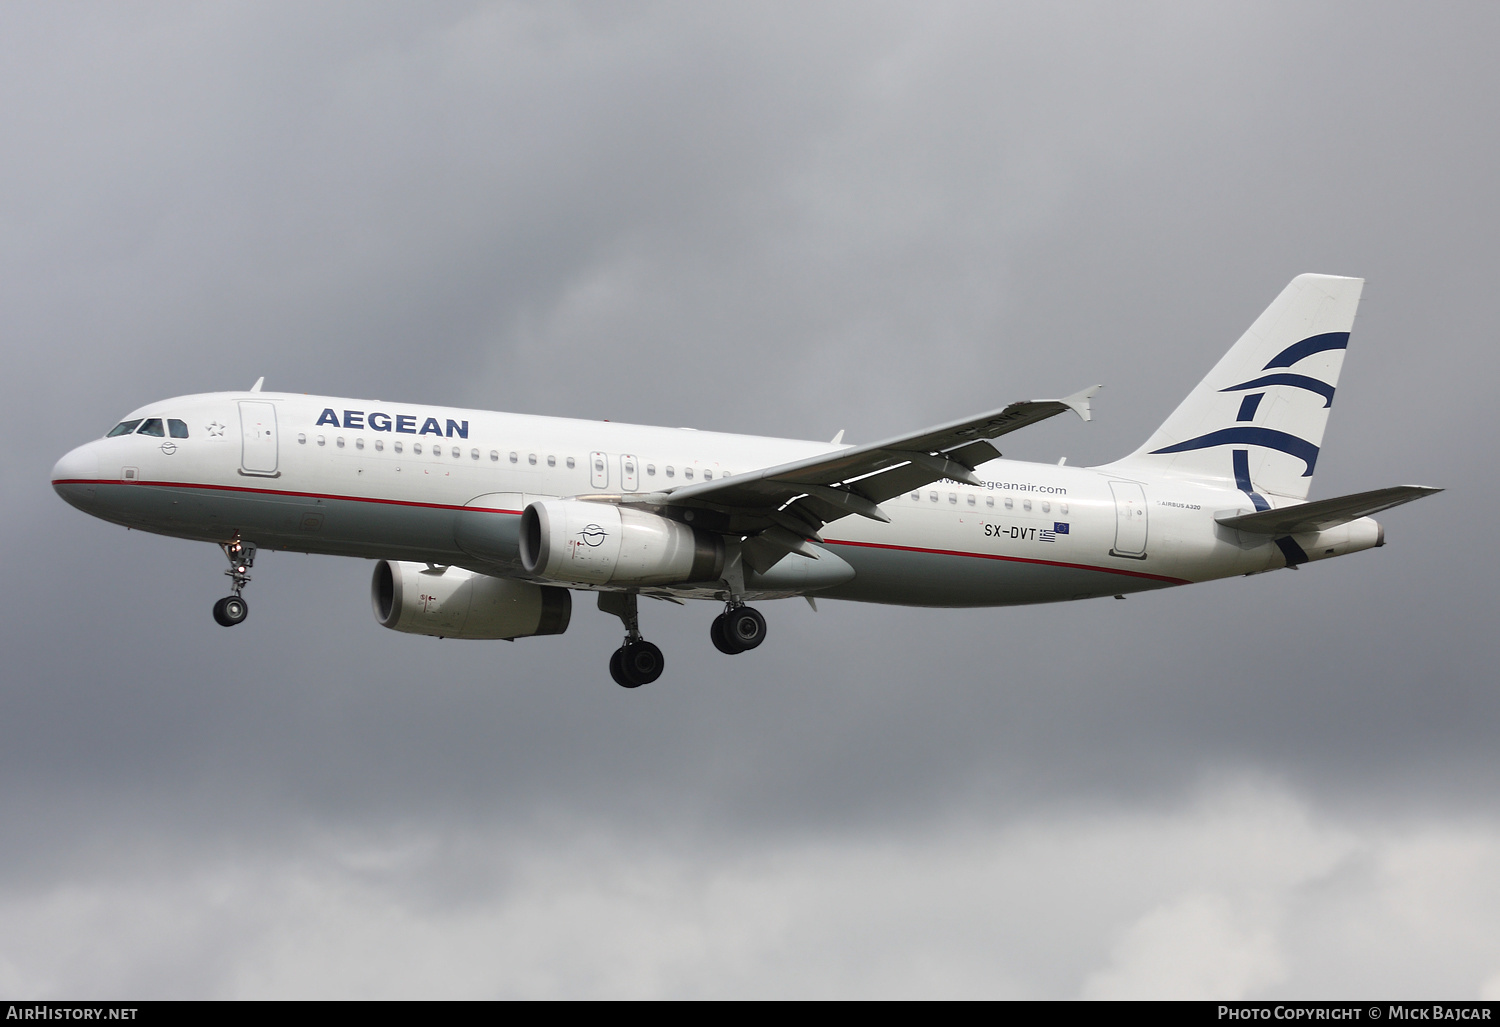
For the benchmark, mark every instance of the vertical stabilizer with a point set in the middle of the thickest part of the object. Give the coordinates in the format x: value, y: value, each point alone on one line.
x: 1257, y: 419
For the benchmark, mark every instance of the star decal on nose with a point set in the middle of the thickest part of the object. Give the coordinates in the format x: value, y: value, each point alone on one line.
x: 215, y: 428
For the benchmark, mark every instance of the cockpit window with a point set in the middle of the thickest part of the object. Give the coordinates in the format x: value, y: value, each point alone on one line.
x: 124, y: 428
x: 177, y: 429
x: 151, y: 426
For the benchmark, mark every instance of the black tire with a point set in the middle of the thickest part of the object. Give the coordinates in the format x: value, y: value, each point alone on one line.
x: 231, y: 610
x: 720, y: 639
x: 745, y: 628
x: 234, y: 610
x: 641, y: 663
x: 617, y: 669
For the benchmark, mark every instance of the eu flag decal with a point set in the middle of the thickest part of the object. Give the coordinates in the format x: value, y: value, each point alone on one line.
x: 1059, y: 527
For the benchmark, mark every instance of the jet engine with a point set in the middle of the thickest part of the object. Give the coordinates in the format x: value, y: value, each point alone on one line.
x: 450, y: 602
x: 604, y: 544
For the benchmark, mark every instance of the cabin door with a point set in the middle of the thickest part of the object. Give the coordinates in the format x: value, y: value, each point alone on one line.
x: 1130, y: 520
x: 258, y: 438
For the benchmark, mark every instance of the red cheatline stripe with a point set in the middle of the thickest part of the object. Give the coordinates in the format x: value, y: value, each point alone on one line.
x: 1013, y: 559
x: 484, y: 509
x: 279, y: 492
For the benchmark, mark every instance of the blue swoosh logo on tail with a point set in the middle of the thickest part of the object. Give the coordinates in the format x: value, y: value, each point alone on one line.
x: 1297, y: 381
x: 1242, y: 479
x: 1252, y: 436
x: 1307, y: 347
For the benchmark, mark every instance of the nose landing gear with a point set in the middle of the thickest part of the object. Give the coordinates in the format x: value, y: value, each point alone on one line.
x: 738, y: 629
x: 231, y: 610
x: 637, y: 662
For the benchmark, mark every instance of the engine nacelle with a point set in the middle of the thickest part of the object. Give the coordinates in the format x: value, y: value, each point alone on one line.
x: 604, y: 544
x: 450, y: 602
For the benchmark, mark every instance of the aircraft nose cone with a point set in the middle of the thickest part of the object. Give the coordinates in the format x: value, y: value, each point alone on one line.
x: 73, y: 476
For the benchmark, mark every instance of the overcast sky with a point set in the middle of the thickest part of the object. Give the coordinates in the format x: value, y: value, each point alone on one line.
x: 783, y: 219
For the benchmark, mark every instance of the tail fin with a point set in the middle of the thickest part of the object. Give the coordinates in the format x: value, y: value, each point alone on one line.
x: 1257, y: 419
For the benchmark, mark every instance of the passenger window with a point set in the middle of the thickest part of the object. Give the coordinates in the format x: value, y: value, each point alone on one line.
x: 571, y: 463
x: 551, y: 461
x: 650, y: 470
x: 1046, y: 507
x: 932, y: 496
x: 1009, y: 503
x: 708, y: 475
x: 301, y: 439
x: 177, y: 429
x: 359, y: 443
x: 1026, y: 505
x: 1062, y: 508
x: 152, y: 426
x: 953, y: 498
x: 124, y: 428
x: 322, y: 441
x: 687, y: 472
x: 339, y: 442
x: 971, y: 499
x: 989, y: 501
x: 916, y: 497
x: 416, y: 447
x: 473, y: 454
x: 494, y: 455
x: 379, y: 445
x: 395, y: 445
x: 514, y: 458
x: 458, y: 452
x: 531, y: 459
x: 670, y: 472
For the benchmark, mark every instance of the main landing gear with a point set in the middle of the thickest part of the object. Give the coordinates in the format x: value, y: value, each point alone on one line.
x: 231, y: 610
x: 738, y: 629
x: 637, y: 662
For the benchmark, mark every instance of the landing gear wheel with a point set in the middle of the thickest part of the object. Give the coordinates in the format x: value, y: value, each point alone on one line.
x: 635, y: 664
x: 231, y: 610
x: 720, y: 639
x: 642, y: 662
x: 744, y: 628
x: 617, y: 669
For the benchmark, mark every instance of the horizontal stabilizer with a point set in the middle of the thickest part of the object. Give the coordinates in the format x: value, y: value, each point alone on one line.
x: 1325, y: 513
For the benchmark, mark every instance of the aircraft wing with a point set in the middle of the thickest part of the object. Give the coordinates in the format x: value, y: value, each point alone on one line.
x: 801, y: 496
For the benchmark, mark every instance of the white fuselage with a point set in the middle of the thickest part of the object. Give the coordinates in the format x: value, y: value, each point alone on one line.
x: 401, y: 482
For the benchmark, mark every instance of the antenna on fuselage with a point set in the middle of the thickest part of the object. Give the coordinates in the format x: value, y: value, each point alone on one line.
x: 258, y: 383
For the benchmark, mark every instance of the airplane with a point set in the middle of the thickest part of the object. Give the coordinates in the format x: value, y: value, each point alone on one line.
x: 484, y: 524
